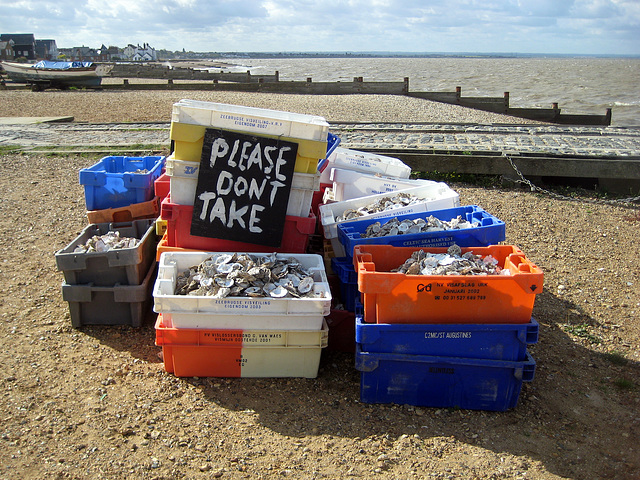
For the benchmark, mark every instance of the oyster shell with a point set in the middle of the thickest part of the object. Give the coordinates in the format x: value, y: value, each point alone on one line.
x: 417, y: 225
x: 450, y: 263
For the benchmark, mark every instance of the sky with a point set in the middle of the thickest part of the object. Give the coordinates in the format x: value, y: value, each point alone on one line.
x: 596, y: 27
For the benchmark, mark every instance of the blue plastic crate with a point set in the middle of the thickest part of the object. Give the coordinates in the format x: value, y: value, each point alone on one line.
x: 490, y: 232
x: 350, y: 295
x: 442, y: 382
x: 481, y: 341
x: 343, y: 267
x: 112, y: 183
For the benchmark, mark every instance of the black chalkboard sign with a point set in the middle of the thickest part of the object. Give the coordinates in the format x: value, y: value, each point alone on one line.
x: 243, y: 187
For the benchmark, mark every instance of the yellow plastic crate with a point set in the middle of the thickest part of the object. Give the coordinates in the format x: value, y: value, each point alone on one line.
x: 188, y: 140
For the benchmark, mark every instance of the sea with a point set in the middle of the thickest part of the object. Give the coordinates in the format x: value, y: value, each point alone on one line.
x: 579, y: 85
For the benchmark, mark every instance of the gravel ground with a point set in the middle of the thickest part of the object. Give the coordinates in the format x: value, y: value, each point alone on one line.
x: 150, y: 106
x: 96, y: 402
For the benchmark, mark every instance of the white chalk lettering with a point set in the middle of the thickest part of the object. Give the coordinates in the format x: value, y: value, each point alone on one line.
x: 253, y: 219
x: 218, y: 211
x: 244, y: 155
x: 241, y: 186
x: 231, y: 162
x: 219, y: 148
x: 281, y: 161
x: 255, y: 190
x: 236, y: 215
x: 205, y: 197
x: 220, y: 186
x: 267, y: 156
x: 255, y: 157
x: 275, y: 186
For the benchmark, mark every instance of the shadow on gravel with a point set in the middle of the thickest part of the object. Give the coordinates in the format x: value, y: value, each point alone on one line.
x: 553, y: 423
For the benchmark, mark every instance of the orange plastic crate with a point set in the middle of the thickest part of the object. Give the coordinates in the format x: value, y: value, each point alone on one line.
x: 163, y: 246
x: 391, y: 297
x: 135, y: 211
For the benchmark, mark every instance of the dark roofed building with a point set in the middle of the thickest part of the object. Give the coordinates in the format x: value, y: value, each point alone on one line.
x: 46, y: 49
x: 24, y: 44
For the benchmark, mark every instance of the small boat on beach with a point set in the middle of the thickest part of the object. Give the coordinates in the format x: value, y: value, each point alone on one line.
x: 48, y: 74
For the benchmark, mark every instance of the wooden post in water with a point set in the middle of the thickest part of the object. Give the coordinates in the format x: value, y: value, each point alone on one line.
x: 405, y: 88
x: 458, y: 94
x: 506, y: 102
x: 277, y: 76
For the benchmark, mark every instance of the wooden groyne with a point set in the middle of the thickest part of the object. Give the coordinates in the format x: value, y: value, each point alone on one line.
x: 180, y: 78
x: 501, y: 105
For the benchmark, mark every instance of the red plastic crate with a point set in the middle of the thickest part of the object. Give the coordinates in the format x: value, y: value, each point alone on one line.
x: 316, y: 199
x: 135, y: 211
x: 294, y: 239
x: 161, y: 186
x: 391, y: 297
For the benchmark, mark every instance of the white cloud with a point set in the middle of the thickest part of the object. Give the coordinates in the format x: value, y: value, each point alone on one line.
x: 541, y: 26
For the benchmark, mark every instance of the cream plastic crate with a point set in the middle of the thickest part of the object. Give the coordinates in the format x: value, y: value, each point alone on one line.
x: 348, y: 184
x: 245, y: 319
x: 250, y: 119
x: 183, y: 178
x: 436, y: 197
x: 365, y: 162
x: 172, y: 263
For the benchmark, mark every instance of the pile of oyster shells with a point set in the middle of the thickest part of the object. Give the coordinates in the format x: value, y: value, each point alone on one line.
x: 244, y: 275
x: 417, y: 225
x: 451, y: 263
x: 106, y: 242
x: 386, y: 203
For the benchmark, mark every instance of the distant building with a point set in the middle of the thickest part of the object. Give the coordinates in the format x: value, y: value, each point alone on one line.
x: 24, y: 44
x: 136, y: 53
x: 6, y: 50
x: 46, y: 49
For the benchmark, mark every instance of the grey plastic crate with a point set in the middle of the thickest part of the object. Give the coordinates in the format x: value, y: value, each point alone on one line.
x: 117, y: 305
x: 126, y: 266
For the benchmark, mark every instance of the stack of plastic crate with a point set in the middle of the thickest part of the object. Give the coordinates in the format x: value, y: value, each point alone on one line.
x: 110, y: 287
x: 455, y: 341
x: 120, y: 189
x: 106, y: 286
x: 190, y: 119
x: 433, y: 195
x: 240, y: 336
x: 359, y: 162
x: 484, y: 229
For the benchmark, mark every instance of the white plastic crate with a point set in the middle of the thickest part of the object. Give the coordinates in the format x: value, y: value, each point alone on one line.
x: 183, y: 178
x: 251, y: 119
x: 365, y: 162
x: 348, y: 184
x: 173, y: 263
x: 436, y: 196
